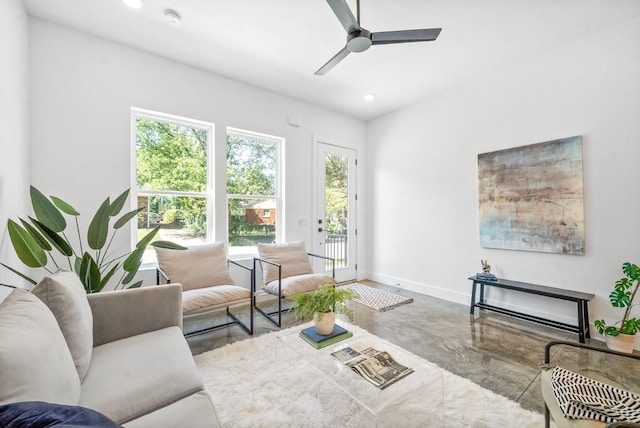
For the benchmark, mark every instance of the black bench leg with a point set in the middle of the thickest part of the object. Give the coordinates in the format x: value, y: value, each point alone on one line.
x: 587, y: 332
x: 581, y: 316
x: 473, y: 299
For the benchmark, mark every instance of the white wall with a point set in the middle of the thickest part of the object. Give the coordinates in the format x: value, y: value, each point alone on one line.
x: 423, y: 186
x: 82, y: 88
x: 13, y: 129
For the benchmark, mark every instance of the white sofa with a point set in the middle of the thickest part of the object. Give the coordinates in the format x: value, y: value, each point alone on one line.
x: 121, y: 353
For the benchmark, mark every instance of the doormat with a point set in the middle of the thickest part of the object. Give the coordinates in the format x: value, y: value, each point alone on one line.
x: 374, y: 298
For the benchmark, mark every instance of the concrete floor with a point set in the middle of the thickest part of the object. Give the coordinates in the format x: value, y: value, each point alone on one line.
x: 497, y: 352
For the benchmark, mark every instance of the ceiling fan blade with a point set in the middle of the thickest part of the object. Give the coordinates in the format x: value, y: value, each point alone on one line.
x: 332, y: 62
x: 344, y: 14
x: 405, y: 36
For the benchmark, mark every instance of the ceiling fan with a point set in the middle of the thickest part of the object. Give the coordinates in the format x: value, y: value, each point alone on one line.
x: 359, y: 39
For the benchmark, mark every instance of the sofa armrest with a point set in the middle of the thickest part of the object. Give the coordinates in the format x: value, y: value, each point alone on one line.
x: 126, y: 313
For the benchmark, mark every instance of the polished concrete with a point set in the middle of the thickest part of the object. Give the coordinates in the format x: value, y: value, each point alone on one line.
x: 497, y: 352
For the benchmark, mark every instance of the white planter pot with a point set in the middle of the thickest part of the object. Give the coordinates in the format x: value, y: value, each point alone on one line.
x: 621, y: 342
x: 325, y: 325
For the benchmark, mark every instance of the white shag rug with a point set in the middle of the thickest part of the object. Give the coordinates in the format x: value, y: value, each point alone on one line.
x: 254, y: 383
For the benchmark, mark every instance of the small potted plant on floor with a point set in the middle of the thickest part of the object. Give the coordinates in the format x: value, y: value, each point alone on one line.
x: 621, y: 336
x: 322, y: 304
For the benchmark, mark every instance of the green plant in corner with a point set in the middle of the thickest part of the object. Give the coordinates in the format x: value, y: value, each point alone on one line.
x: 39, y: 239
x: 623, y: 296
x: 324, y: 299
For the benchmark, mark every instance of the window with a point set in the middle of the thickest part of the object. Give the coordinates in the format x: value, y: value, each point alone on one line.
x: 253, y: 188
x: 173, y: 177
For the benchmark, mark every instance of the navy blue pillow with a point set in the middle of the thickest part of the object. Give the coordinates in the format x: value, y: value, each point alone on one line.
x: 38, y: 414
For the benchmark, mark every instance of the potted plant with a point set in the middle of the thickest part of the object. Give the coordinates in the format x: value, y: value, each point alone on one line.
x: 41, y: 242
x: 621, y: 336
x: 322, y: 304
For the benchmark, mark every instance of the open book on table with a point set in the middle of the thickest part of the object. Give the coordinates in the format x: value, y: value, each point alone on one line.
x: 378, y: 367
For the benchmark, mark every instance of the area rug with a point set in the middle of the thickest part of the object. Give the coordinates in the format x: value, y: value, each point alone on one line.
x: 377, y: 299
x: 253, y: 384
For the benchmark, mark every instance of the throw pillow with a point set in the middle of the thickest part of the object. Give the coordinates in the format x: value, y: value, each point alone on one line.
x: 37, y: 414
x: 196, y: 267
x: 35, y: 362
x: 65, y: 296
x: 291, y: 255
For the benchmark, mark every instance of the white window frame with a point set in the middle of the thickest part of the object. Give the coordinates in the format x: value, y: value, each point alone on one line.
x: 138, y: 113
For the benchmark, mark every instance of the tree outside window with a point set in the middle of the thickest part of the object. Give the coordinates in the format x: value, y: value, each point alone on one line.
x: 252, y: 187
x: 172, y: 178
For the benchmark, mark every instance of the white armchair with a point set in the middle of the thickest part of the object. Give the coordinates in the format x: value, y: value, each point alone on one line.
x: 286, y: 270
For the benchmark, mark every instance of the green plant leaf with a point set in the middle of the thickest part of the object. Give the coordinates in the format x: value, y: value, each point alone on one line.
x: 631, y: 270
x: 64, y: 207
x: 26, y: 246
x: 46, y: 212
x: 133, y: 260
x: 107, y: 277
x: 167, y: 244
x: 126, y: 218
x: 99, y: 227
x: 147, y: 238
x: 118, y: 204
x: 135, y: 285
x: 56, y: 240
x: 620, y: 299
x: 89, y: 274
x: 20, y: 274
x: 41, y: 239
x: 129, y: 277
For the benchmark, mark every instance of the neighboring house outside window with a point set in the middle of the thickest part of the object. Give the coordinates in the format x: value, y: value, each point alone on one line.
x: 173, y: 177
x: 253, y: 189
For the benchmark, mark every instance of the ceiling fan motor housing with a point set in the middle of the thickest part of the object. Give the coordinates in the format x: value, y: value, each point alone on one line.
x: 359, y: 41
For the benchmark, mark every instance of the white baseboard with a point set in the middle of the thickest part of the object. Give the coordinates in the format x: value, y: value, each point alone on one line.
x: 464, y: 298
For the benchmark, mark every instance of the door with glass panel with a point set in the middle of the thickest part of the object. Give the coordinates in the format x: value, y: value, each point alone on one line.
x: 335, y: 201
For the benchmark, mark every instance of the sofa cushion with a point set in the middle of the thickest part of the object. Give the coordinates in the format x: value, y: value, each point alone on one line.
x: 196, y: 267
x: 298, y: 284
x: 291, y: 255
x: 220, y: 296
x: 65, y: 296
x: 197, y: 409
x: 35, y: 362
x: 131, y: 377
x: 38, y: 414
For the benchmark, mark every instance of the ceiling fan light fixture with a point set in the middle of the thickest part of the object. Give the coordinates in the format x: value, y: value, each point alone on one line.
x: 133, y: 4
x: 370, y: 96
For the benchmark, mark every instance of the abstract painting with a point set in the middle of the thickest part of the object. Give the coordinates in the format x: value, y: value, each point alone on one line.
x: 531, y: 197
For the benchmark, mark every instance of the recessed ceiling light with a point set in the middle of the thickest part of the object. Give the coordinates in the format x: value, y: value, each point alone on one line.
x: 172, y: 17
x: 134, y: 4
x: 370, y: 97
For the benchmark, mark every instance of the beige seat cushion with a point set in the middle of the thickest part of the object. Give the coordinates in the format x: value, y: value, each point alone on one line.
x: 199, y: 299
x: 65, y: 296
x: 127, y: 379
x: 35, y: 362
x: 291, y: 255
x: 196, y: 267
x: 298, y: 284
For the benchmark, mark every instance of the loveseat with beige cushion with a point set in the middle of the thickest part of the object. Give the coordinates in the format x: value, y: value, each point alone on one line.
x: 121, y: 353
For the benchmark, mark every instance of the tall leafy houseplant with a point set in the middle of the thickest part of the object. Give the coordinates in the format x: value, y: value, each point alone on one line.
x: 39, y: 242
x: 623, y: 296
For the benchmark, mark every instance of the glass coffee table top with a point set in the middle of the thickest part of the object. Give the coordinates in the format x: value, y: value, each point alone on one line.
x: 413, y: 400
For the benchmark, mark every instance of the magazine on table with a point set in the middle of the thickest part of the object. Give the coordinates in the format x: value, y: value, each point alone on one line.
x: 378, y: 367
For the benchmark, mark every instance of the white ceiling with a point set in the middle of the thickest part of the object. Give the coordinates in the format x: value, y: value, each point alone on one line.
x: 279, y: 44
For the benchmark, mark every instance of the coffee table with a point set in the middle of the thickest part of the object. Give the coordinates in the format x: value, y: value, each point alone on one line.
x: 415, y: 400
